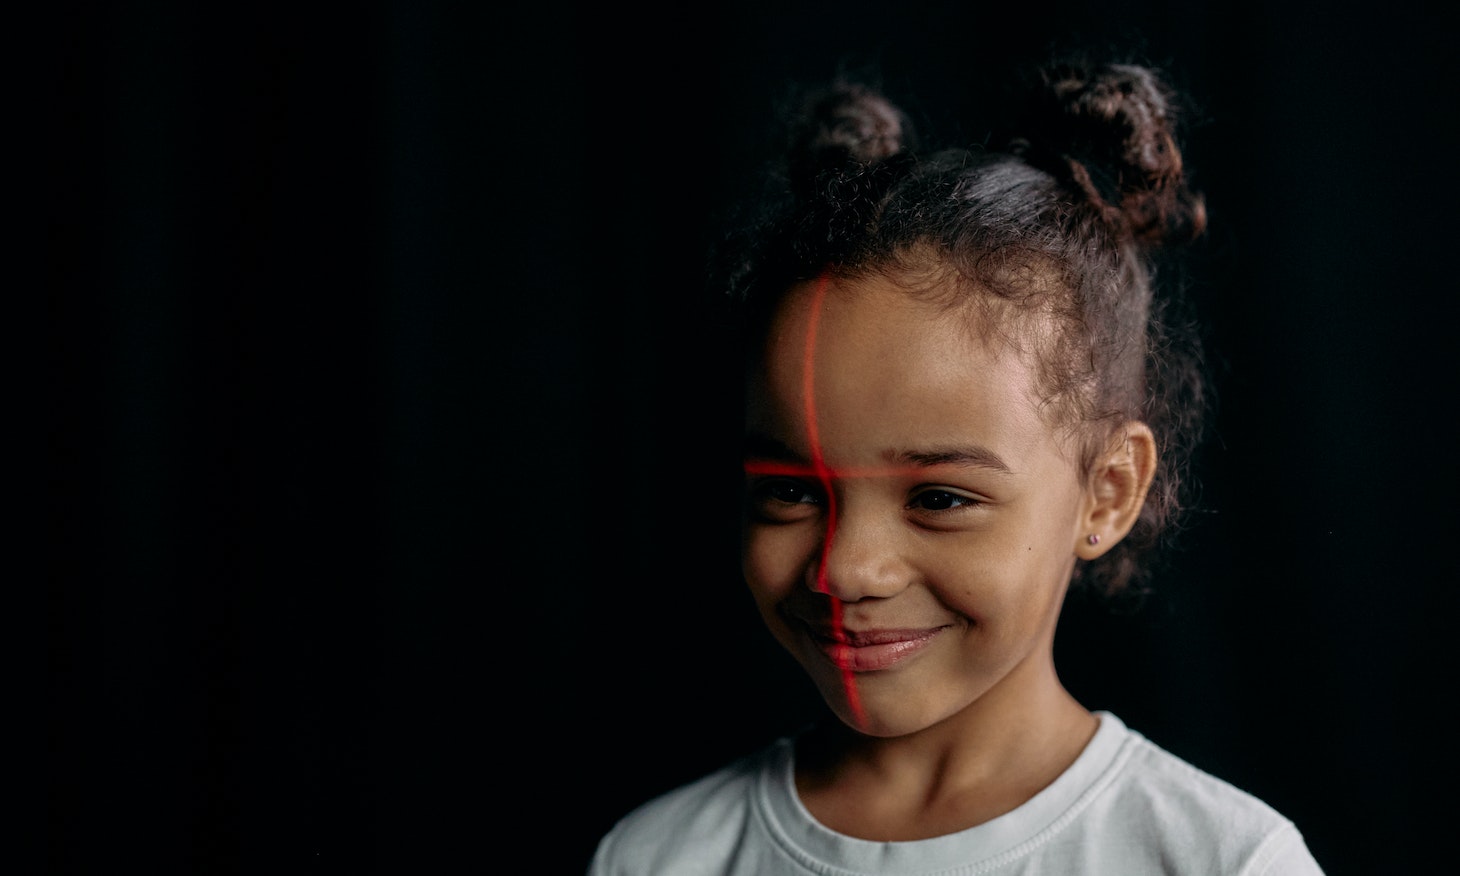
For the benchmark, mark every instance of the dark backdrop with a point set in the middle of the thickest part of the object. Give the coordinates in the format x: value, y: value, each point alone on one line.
x: 388, y: 489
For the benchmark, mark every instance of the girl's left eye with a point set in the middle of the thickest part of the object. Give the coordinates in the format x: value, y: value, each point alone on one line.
x: 941, y: 500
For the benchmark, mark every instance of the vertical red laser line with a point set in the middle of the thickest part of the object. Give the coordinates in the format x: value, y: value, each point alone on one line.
x: 823, y: 474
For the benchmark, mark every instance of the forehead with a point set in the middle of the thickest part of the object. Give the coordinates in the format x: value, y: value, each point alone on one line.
x: 864, y: 367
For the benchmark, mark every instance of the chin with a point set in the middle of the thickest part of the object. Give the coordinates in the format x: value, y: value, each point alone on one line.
x: 872, y: 724
x: 872, y: 719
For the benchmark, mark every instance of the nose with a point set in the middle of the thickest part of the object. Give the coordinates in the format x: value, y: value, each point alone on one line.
x: 860, y: 558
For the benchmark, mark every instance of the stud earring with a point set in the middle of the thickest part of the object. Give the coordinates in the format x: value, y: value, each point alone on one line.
x: 1093, y: 539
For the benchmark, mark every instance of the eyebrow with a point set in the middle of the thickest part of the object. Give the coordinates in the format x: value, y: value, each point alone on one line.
x: 760, y: 446
x: 972, y: 456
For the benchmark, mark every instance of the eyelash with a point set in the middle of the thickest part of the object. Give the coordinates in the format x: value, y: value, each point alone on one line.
x: 963, y: 501
x: 764, y: 497
x: 770, y: 494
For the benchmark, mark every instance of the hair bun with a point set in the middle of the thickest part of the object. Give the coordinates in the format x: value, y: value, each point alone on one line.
x: 846, y: 126
x: 1110, y: 130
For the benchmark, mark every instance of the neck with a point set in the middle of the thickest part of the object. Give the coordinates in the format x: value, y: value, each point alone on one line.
x: 981, y: 762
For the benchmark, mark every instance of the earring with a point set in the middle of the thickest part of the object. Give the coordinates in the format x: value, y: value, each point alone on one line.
x: 1093, y: 539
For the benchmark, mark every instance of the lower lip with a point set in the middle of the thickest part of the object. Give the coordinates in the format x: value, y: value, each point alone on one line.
x: 870, y: 658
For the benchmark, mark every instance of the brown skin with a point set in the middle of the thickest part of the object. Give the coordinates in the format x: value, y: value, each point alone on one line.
x: 971, y: 553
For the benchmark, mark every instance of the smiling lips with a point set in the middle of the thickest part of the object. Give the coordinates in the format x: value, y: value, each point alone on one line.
x: 871, y: 650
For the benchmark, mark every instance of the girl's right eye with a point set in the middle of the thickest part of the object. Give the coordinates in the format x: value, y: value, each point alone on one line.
x: 784, y: 498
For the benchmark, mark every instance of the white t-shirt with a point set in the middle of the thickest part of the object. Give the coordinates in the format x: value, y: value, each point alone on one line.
x: 1125, y: 807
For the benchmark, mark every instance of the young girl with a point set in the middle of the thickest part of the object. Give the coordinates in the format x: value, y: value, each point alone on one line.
x: 963, y: 397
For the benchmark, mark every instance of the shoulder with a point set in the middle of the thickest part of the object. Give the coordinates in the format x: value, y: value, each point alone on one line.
x: 1188, y: 813
x: 1161, y: 783
x: 692, y: 819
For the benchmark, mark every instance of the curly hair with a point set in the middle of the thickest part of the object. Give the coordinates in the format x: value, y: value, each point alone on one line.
x: 1068, y: 220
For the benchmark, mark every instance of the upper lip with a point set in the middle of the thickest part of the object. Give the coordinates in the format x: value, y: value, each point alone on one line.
x: 863, y: 638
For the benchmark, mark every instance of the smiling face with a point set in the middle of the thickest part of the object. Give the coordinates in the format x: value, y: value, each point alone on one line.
x: 912, y: 517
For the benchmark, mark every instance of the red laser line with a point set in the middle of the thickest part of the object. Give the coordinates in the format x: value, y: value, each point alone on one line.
x: 824, y: 475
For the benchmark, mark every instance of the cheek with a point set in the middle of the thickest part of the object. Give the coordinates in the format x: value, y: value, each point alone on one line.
x: 774, y: 560
x: 995, y: 580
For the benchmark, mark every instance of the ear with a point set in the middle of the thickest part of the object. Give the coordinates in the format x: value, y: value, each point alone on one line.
x: 1117, y: 489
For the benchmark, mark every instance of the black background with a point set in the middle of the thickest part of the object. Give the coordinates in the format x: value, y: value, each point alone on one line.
x: 388, y: 496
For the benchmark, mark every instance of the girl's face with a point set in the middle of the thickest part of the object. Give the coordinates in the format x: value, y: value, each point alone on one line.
x: 912, y: 518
